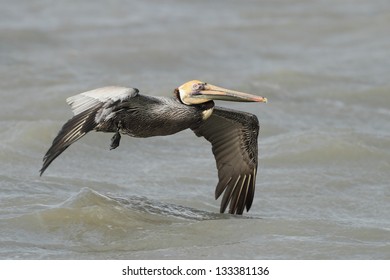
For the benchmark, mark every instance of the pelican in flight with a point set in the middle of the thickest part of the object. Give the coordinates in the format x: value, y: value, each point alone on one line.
x: 232, y: 134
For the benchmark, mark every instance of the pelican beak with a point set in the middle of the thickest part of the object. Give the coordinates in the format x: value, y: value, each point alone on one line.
x: 219, y: 93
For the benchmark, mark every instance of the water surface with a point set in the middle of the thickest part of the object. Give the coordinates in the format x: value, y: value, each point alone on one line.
x: 323, y: 181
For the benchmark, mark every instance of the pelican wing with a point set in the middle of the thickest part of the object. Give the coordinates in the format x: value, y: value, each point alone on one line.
x: 233, y: 136
x: 89, y: 109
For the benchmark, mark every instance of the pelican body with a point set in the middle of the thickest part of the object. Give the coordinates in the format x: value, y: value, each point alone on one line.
x: 119, y: 110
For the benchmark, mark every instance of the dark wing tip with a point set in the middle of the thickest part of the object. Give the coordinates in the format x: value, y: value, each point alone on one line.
x: 238, y: 194
x: 71, y: 131
x: 44, y: 166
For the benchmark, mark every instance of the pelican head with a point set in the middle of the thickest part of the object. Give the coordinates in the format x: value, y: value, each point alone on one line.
x: 198, y: 92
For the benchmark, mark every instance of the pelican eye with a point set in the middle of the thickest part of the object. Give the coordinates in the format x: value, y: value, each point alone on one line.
x: 198, y: 86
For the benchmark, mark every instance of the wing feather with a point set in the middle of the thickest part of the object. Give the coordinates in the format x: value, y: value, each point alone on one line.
x: 233, y: 136
x: 89, y: 109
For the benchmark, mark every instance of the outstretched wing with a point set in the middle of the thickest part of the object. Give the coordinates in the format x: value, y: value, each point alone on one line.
x: 89, y: 109
x: 233, y: 136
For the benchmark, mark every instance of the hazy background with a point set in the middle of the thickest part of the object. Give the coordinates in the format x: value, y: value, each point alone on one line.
x: 323, y: 181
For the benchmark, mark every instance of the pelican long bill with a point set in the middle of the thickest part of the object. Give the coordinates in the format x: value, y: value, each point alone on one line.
x: 219, y: 93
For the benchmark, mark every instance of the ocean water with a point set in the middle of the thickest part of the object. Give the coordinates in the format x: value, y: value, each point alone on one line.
x: 323, y: 185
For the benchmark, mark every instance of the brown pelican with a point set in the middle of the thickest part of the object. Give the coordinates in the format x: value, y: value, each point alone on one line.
x: 119, y: 110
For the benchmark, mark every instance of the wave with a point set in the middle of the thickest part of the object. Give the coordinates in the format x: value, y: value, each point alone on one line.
x: 90, y: 207
x: 89, y: 210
